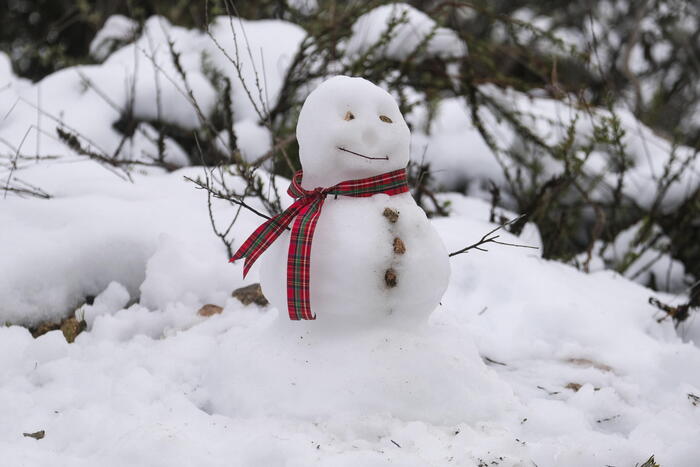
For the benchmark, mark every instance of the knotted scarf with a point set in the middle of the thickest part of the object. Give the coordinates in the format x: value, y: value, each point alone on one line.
x: 304, y: 212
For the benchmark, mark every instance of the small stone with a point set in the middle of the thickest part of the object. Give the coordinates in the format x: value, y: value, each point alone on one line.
x: 36, y: 435
x: 210, y: 310
x: 573, y: 386
x: 43, y: 328
x: 71, y: 327
x: 390, y: 278
x: 391, y: 214
x: 250, y: 294
x: 399, y: 246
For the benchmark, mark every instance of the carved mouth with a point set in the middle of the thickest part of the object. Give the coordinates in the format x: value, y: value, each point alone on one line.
x: 385, y: 158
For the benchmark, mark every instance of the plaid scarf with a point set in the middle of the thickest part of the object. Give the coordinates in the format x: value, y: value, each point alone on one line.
x: 306, y: 210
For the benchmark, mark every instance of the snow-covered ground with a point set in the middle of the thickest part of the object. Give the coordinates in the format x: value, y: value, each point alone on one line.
x: 526, y: 362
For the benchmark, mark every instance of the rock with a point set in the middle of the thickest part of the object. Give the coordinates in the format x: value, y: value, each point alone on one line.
x: 71, y: 327
x: 573, y: 386
x: 43, y: 328
x: 36, y: 435
x: 210, y: 310
x: 250, y: 294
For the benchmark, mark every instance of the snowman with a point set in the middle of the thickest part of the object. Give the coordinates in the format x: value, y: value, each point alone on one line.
x: 354, y: 248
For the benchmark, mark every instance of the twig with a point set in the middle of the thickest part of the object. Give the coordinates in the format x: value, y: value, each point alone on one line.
x: 492, y: 361
x: 227, y: 196
x: 236, y: 62
x: 222, y: 235
x: 678, y: 313
x: 71, y: 140
x: 281, y: 144
x: 26, y: 189
x: 13, y: 164
x: 487, y: 238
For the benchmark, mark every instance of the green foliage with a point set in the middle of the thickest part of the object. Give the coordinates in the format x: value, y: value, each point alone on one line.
x: 650, y: 463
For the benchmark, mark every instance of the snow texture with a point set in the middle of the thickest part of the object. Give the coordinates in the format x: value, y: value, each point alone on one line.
x: 639, y: 264
x: 345, y: 114
x: 526, y: 361
x: 117, y: 29
x: 264, y: 49
x: 414, y: 32
x: 459, y: 157
x: 491, y: 377
x: 141, y: 79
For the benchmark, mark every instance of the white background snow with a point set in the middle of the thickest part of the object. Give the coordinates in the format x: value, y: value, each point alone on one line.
x: 490, y: 380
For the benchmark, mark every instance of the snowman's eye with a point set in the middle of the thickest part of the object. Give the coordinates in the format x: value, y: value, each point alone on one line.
x: 348, y: 116
x: 385, y: 119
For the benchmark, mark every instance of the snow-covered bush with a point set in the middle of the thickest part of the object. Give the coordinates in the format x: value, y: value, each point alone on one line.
x: 528, y: 138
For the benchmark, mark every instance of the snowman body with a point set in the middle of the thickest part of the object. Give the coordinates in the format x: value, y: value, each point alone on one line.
x: 373, y: 257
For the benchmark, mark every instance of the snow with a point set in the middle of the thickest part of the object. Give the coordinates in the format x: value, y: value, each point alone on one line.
x: 253, y: 140
x: 176, y: 273
x: 644, y: 265
x: 111, y: 230
x: 112, y: 299
x: 346, y: 113
x: 149, y: 79
x: 168, y: 387
x: 141, y: 79
x: 128, y: 79
x: 117, y: 28
x: 459, y: 158
x: 524, y: 362
x: 143, y: 146
x: 414, y: 31
x: 263, y: 50
x: 366, y: 236
x: 305, y: 7
x: 455, y: 150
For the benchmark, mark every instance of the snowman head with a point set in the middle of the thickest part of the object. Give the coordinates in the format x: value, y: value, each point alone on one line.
x: 350, y: 128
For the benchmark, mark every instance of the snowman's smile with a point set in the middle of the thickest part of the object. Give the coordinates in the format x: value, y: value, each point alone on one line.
x: 385, y: 158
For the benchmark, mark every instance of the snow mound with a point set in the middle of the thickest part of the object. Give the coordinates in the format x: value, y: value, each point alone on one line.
x: 316, y: 373
x: 98, y: 229
x: 458, y: 156
x: 112, y: 299
x: 117, y: 29
x: 413, y: 31
x: 141, y: 80
x: 263, y: 50
x: 460, y: 159
x: 181, y: 271
x: 525, y: 361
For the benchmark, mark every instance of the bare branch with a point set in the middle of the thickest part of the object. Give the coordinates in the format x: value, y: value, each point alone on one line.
x: 227, y: 196
x: 488, y: 238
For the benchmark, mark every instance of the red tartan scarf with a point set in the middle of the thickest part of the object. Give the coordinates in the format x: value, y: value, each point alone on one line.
x: 306, y: 209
